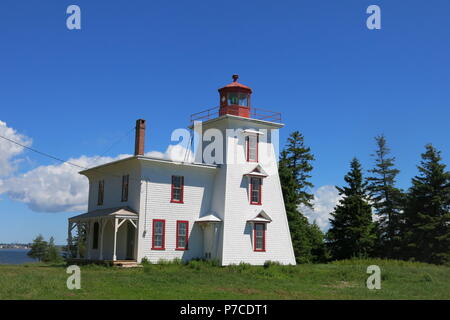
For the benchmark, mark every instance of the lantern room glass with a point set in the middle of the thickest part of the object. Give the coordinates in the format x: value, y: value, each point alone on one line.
x: 237, y: 98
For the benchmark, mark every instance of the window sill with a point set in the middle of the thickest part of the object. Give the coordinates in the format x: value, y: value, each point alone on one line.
x: 159, y: 249
x: 174, y: 201
x: 259, y: 250
x: 181, y: 249
x: 255, y: 204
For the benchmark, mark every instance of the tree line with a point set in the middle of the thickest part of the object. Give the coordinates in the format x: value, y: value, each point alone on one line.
x: 45, y: 251
x: 374, y: 218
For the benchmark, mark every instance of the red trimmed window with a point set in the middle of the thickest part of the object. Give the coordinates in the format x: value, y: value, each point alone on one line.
x: 101, y: 192
x: 259, y: 237
x: 177, y: 189
x: 125, y: 181
x: 252, y: 148
x: 255, y: 190
x: 158, y: 241
x: 182, y: 235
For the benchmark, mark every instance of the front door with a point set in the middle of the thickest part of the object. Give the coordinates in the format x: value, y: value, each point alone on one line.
x: 130, y: 241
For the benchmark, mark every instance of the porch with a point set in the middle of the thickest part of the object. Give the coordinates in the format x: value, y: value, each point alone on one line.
x: 106, y: 235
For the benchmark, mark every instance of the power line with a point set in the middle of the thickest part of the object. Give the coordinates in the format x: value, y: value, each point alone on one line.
x: 117, y: 141
x: 59, y: 159
x: 43, y: 153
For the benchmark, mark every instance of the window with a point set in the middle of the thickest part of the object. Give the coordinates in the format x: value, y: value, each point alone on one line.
x: 182, y: 235
x: 177, y: 189
x: 255, y: 190
x: 125, y: 180
x: 101, y: 192
x: 259, y: 239
x: 158, y: 234
x: 95, y: 242
x: 252, y: 148
x: 239, y: 99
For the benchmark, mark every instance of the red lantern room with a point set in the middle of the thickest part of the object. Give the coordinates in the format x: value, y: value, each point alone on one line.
x: 235, y: 99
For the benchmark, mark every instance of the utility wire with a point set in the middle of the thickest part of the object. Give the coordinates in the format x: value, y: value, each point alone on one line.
x: 117, y: 141
x: 59, y: 159
x: 43, y: 153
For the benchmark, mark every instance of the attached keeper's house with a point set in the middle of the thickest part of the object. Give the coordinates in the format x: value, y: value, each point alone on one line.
x: 233, y: 211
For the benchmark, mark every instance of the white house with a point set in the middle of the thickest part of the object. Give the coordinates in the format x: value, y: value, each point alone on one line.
x: 231, y: 210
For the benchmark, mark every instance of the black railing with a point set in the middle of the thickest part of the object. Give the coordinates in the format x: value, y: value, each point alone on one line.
x: 255, y: 113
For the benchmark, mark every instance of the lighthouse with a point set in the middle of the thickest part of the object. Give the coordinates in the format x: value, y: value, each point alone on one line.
x: 227, y: 208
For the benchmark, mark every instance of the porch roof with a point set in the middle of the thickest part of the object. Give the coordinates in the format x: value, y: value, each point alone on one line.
x: 120, y: 212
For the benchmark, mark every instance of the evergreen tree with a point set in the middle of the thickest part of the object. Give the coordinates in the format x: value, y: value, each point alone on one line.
x: 298, y: 158
x: 319, y: 252
x: 387, y: 201
x: 38, y: 248
x: 428, y: 211
x: 352, y: 232
x: 294, y: 171
x: 298, y: 224
x: 53, y: 253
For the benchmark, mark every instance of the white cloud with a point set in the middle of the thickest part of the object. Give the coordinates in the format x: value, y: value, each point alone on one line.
x: 53, y: 188
x: 58, y: 187
x: 9, y: 150
x: 325, y: 199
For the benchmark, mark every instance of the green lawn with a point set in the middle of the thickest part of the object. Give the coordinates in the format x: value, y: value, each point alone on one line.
x: 198, y: 280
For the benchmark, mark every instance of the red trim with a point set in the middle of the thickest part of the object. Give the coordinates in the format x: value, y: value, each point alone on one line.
x: 248, y: 149
x: 163, y: 235
x: 260, y: 191
x: 187, y: 236
x: 264, y: 237
x: 181, y: 193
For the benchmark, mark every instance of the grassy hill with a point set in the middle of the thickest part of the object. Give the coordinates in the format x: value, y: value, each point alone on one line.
x: 200, y: 280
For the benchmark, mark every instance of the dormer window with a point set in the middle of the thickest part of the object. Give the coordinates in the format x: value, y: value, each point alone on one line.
x: 252, y: 148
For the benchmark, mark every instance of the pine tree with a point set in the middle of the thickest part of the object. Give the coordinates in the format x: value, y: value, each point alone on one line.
x: 53, y: 253
x: 38, y: 248
x: 298, y: 158
x: 298, y: 224
x: 428, y: 211
x: 387, y: 201
x: 352, y: 232
x: 294, y: 171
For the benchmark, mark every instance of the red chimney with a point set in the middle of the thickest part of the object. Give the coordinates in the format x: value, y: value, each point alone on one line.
x: 140, y: 136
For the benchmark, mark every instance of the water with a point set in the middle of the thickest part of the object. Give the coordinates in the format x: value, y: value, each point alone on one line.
x: 15, y: 256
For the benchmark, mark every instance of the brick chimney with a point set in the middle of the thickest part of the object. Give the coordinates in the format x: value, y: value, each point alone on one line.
x: 140, y: 137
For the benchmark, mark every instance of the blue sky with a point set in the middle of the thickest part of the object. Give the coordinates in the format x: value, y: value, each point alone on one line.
x: 75, y: 92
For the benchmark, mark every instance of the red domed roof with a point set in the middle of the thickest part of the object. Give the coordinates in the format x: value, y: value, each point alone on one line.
x: 236, y: 84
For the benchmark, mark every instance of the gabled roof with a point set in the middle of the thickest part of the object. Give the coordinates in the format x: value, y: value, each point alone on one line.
x: 262, y: 216
x: 209, y: 218
x: 120, y: 212
x: 151, y: 159
x: 257, y: 171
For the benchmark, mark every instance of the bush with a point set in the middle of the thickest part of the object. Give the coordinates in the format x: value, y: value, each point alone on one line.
x: 270, y: 263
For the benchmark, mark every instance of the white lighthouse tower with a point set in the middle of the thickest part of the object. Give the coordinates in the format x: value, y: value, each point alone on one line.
x: 247, y: 195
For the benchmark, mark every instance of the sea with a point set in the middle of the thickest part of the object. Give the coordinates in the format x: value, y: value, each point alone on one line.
x: 15, y: 256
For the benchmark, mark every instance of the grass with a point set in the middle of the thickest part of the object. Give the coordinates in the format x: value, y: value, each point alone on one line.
x: 202, y: 280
